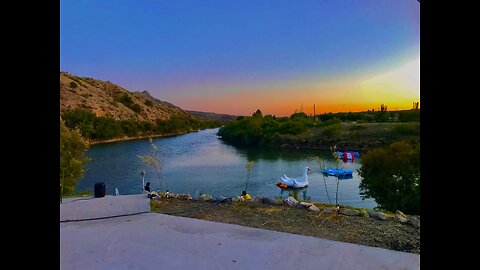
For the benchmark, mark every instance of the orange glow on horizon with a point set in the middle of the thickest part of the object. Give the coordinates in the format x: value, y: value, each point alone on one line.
x: 397, y: 88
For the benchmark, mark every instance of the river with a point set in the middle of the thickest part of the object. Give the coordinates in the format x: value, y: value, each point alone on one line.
x: 200, y: 162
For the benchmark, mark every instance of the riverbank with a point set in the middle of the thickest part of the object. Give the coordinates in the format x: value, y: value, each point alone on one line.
x: 346, y: 226
x: 347, y: 136
x: 126, y: 138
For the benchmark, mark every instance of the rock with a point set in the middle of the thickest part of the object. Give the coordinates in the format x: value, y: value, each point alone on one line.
x: 398, y: 212
x: 256, y: 199
x: 364, y: 213
x: 313, y: 208
x: 167, y: 195
x: 291, y: 201
x: 304, y: 205
x: 205, y: 197
x: 349, y: 212
x: 377, y: 215
x: 401, y: 216
x: 415, y: 221
x: 184, y: 196
x: 269, y: 200
x: 328, y: 210
x: 238, y: 199
x: 401, y: 219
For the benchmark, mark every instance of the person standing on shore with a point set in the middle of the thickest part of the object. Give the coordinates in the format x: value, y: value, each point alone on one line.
x: 147, y: 187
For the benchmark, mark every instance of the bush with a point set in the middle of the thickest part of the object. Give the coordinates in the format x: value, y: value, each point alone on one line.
x: 391, y: 175
x: 331, y: 132
x: 73, y: 85
x: 72, y: 158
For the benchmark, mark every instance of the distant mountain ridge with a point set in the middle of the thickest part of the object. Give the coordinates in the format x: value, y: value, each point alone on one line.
x: 213, y: 116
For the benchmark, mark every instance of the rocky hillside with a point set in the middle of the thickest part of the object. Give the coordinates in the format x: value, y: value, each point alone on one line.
x: 104, y: 98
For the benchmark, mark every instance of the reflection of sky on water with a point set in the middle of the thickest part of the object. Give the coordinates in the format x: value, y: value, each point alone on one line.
x: 200, y: 161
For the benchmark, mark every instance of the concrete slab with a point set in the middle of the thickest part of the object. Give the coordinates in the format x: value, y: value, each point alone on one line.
x: 88, y: 208
x: 157, y: 241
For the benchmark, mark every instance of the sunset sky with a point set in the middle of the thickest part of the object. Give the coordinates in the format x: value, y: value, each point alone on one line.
x: 236, y: 56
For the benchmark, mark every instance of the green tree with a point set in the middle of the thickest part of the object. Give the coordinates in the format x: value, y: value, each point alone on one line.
x: 72, y: 158
x: 391, y: 175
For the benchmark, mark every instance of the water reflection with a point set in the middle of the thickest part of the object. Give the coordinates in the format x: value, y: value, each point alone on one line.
x: 294, y: 193
x: 200, y: 161
x: 272, y: 154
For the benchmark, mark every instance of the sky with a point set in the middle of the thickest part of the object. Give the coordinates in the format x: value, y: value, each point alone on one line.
x: 237, y: 56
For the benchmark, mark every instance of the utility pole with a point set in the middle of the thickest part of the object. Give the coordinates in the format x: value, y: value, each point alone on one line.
x: 314, y: 115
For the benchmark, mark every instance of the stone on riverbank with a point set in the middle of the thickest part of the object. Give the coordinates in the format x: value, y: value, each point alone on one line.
x: 328, y: 210
x: 314, y: 208
x: 304, y: 205
x: 401, y: 217
x: 415, y: 221
x: 348, y: 212
x: 269, y: 200
x: 377, y: 215
x: 291, y: 201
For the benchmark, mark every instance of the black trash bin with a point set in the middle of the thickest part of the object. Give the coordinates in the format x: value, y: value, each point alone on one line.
x: 99, y: 190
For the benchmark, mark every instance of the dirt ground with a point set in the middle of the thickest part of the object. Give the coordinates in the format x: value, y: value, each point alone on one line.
x: 389, y: 234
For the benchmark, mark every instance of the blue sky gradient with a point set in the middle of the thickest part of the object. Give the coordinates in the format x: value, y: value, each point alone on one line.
x: 187, y: 52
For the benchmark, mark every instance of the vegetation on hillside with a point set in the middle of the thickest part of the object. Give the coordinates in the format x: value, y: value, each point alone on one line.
x: 391, y: 175
x: 346, y: 130
x: 95, y: 128
x: 72, y: 158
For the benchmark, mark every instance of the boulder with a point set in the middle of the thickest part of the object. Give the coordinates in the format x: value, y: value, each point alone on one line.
x: 238, y: 199
x: 349, y: 212
x: 291, y: 201
x: 313, y: 208
x: 415, y: 221
x: 328, y: 210
x: 401, y: 217
x: 256, y: 199
x: 269, y: 200
x: 304, y: 205
x: 205, y: 197
x: 398, y: 212
x: 184, y: 196
x: 377, y: 215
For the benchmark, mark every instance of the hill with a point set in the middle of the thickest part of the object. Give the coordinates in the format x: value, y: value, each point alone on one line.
x: 107, y: 99
x: 213, y: 116
x: 104, y: 111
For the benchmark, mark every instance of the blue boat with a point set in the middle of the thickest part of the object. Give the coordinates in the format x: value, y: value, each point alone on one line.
x: 337, y: 172
x: 348, y: 155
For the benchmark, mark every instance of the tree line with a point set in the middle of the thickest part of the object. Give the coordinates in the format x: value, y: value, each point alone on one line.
x: 257, y: 130
x: 94, y: 128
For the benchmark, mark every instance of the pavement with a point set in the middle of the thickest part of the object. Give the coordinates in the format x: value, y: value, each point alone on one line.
x: 137, y: 239
x: 108, y: 206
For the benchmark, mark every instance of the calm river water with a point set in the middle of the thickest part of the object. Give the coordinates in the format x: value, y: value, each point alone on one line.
x: 201, y: 162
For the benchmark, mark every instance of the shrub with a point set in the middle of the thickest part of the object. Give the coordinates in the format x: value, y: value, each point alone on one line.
x: 391, y: 175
